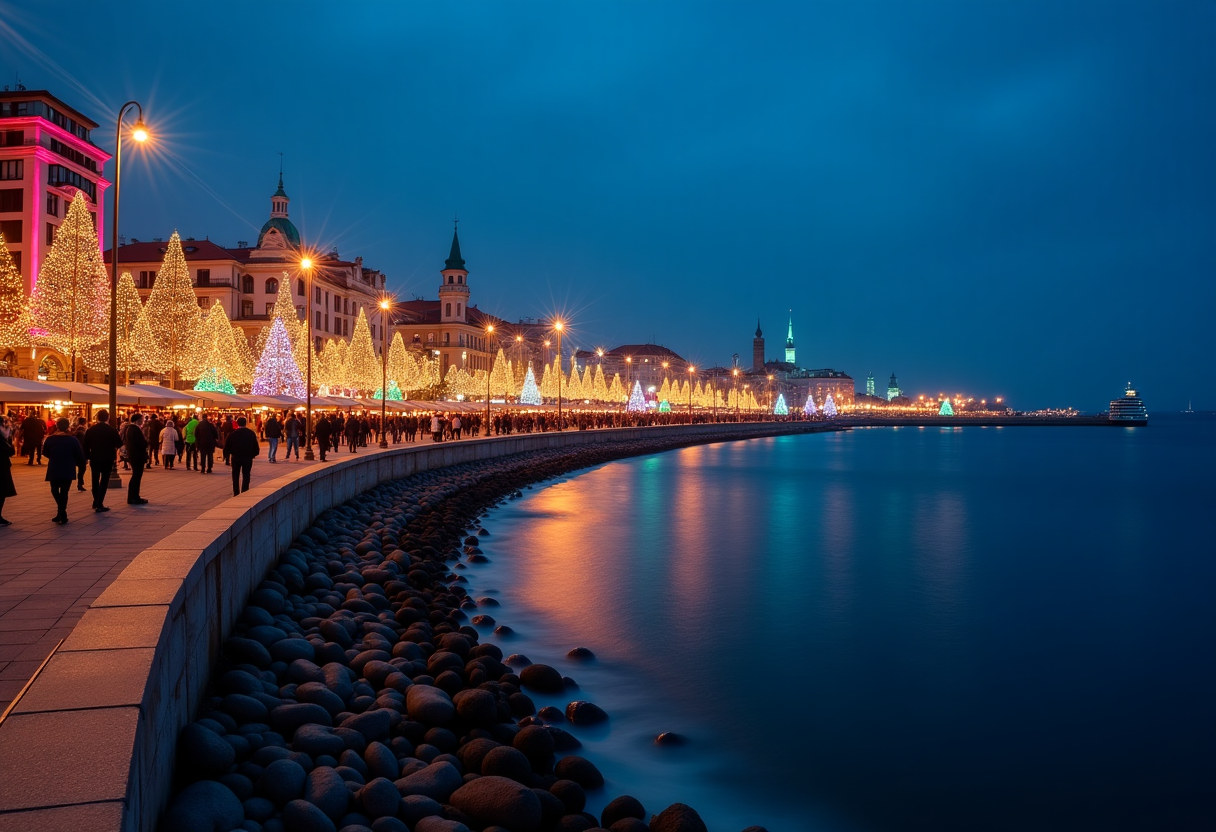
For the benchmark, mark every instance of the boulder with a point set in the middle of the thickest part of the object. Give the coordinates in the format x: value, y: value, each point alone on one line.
x: 677, y: 818
x: 380, y: 798
x: 205, y: 806
x: 622, y: 807
x: 315, y: 740
x: 283, y: 781
x: 203, y: 751
x: 437, y: 781
x: 580, y: 771
x: 543, y: 678
x: 571, y: 794
x: 585, y: 713
x: 507, y: 762
x: 498, y: 800
x: 429, y: 705
x: 476, y: 708
x: 326, y: 790
x: 302, y: 816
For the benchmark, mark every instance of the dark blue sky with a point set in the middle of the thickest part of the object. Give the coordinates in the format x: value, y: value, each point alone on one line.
x: 1010, y: 199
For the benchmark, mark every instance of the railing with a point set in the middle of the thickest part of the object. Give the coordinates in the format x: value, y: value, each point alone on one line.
x: 211, y: 283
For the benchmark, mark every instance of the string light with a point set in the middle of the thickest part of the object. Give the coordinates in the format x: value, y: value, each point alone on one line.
x: 15, y: 321
x: 173, y: 316
x: 277, y: 373
x: 530, y: 394
x: 362, y: 366
x: 637, y: 401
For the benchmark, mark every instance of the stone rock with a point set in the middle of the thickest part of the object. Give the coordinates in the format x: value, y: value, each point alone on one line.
x: 326, y: 790
x: 670, y: 738
x: 535, y: 743
x: 563, y: 740
x: 473, y: 752
x: 543, y: 678
x: 318, y: 693
x: 205, y: 806
x: 258, y: 809
x: 551, y: 808
x: 415, y: 807
x: 337, y: 678
x: 380, y: 798
x: 755, y: 829
x: 497, y: 800
x: 437, y: 781
x: 203, y: 751
x: 315, y: 740
x: 585, y: 713
x: 389, y: 825
x: 429, y: 705
x: 381, y: 762
x: 580, y: 771
x: 580, y: 654
x: 507, y: 762
x: 374, y: 725
x: 622, y: 807
x: 290, y: 649
x: 551, y: 714
x: 285, y: 719
x: 629, y: 825
x: 436, y: 824
x: 571, y: 794
x: 677, y: 818
x: 477, y: 708
x: 239, y: 785
x: 282, y: 781
x: 247, y: 651
x: 302, y: 816
x: 244, y: 708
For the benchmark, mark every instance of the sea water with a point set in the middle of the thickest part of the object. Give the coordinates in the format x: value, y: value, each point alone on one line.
x: 886, y: 629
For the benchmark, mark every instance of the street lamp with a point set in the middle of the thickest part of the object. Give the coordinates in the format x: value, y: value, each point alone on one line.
x: 386, y: 303
x: 306, y: 266
x: 692, y: 371
x: 735, y: 373
x: 140, y: 134
x: 489, y: 333
x: 558, y: 326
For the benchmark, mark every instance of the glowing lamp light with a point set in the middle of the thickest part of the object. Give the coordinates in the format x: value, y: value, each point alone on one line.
x: 140, y: 133
x: 384, y: 304
x: 306, y: 263
x: 558, y: 325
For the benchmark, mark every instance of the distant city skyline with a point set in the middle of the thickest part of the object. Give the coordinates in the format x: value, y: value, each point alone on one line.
x: 1006, y: 199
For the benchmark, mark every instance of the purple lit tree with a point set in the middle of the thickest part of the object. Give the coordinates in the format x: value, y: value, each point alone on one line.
x: 277, y: 373
x: 829, y: 407
x: 637, y: 401
x: 809, y: 408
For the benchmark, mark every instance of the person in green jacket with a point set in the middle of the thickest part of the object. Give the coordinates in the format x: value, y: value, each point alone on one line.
x: 191, y: 448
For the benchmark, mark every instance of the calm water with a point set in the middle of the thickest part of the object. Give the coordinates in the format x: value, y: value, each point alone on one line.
x: 888, y: 629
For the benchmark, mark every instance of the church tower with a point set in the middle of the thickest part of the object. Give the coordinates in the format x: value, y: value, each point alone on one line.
x: 758, y: 350
x: 454, y: 286
x: 789, y: 341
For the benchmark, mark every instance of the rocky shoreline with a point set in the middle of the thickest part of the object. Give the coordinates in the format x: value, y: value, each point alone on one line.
x: 354, y: 695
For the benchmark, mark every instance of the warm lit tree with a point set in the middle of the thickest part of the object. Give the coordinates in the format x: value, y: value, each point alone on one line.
x: 401, y: 368
x: 173, y: 315
x: 71, y: 302
x: 500, y: 376
x: 665, y: 391
x: 332, y: 371
x: 599, y: 385
x: 277, y: 373
x: 616, y: 392
x: 363, y: 370
x: 132, y: 340
x: 586, y: 383
x: 573, y: 388
x: 244, y: 352
x: 15, y: 321
x: 221, y: 364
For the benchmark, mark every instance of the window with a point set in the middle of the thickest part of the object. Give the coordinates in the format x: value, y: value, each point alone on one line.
x: 346, y: 327
x: 326, y: 327
x: 12, y: 199
x: 317, y: 295
x: 272, y: 286
x: 11, y: 229
x: 12, y: 169
x: 346, y: 306
x: 447, y: 310
x: 447, y: 338
x: 458, y: 310
x: 50, y: 233
x: 16, y: 255
x: 269, y: 308
x: 430, y: 337
x: 14, y: 138
x: 204, y: 277
x: 460, y: 279
x: 373, y: 328
x: 204, y: 302
x: 247, y: 286
x: 317, y: 323
x: 246, y: 309
x: 300, y: 313
x: 59, y: 175
x: 52, y: 204
x: 416, y: 339
x: 147, y: 279
x: 337, y: 304
x: 300, y: 288
x: 449, y: 280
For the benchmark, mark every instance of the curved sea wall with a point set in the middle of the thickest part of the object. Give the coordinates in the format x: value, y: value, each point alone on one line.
x: 93, y: 743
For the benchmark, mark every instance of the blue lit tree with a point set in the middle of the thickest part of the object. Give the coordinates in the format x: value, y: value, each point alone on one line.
x: 530, y: 394
x: 946, y: 409
x: 780, y: 408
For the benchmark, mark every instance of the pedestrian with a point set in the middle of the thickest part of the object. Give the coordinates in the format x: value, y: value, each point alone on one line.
x: 7, y: 452
x: 456, y: 426
x: 168, y: 443
x: 291, y: 431
x: 226, y: 429
x: 205, y: 437
x: 323, y: 432
x: 352, y: 433
x: 436, y: 427
x: 64, y: 456
x: 82, y: 424
x: 241, y: 447
x: 188, y: 434
x: 137, y: 453
x: 272, y: 429
x: 101, y: 443
x: 152, y: 431
x: 33, y: 431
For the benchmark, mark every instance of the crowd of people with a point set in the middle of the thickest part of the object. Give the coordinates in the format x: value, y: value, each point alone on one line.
x: 174, y: 441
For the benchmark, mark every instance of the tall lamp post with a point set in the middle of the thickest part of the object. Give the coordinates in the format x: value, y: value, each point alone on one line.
x: 735, y: 373
x: 558, y: 326
x: 140, y: 134
x: 306, y: 265
x: 489, y: 336
x: 692, y: 372
x: 385, y: 305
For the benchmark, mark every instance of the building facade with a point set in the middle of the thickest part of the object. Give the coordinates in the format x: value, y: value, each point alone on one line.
x: 646, y: 363
x: 789, y: 341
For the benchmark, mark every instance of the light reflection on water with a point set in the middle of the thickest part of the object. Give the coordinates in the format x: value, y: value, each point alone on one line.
x: 882, y: 629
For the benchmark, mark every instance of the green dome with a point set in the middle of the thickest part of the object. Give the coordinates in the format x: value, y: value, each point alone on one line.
x: 284, y: 227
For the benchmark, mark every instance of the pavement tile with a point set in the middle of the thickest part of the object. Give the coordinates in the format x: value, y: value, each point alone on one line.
x: 90, y: 679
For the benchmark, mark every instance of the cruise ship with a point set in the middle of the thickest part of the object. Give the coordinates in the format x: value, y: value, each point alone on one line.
x: 1128, y: 410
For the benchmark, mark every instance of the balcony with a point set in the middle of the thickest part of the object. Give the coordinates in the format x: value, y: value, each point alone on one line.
x: 215, y: 282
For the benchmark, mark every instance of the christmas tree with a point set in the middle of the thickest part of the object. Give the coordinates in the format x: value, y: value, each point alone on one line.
x: 212, y: 381
x: 243, y: 372
x: 221, y: 362
x: 362, y: 366
x: 809, y: 408
x: 530, y: 394
x: 332, y: 372
x: 946, y: 409
x: 586, y: 384
x: 599, y: 385
x: 394, y: 392
x: 780, y: 408
x: 637, y: 401
x: 665, y: 390
x: 500, y: 376
x: 664, y: 406
x: 173, y: 316
x: 829, y: 407
x: 15, y: 321
x: 71, y: 301
x: 402, y: 369
x: 616, y: 393
x: 572, y: 389
x: 277, y: 373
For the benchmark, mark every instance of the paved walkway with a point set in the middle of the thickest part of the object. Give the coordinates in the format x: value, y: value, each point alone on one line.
x: 49, y: 574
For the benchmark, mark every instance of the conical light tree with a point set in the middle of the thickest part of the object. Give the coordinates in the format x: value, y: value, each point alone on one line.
x: 240, y: 343
x: 780, y: 408
x: 587, y: 383
x: 221, y: 362
x: 599, y: 385
x: 500, y: 376
x: 277, y: 373
x: 132, y: 341
x: 829, y: 407
x: 530, y: 394
x: 616, y: 393
x: 401, y: 367
x: 573, y: 388
x: 332, y: 369
x: 665, y: 391
x: 297, y: 330
x: 363, y: 369
x: 71, y: 300
x: 946, y: 409
x: 809, y: 408
x: 173, y: 314
x: 15, y: 320
x: 548, y: 379
x: 637, y: 401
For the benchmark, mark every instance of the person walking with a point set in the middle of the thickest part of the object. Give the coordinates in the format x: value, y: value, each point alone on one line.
x: 352, y: 434
x: 7, y: 452
x: 324, y: 429
x: 436, y: 427
x: 64, y: 456
x: 101, y: 444
x: 456, y: 426
x: 226, y: 429
x: 188, y: 434
x: 153, y: 431
x: 205, y: 437
x: 137, y: 454
x: 168, y: 443
x: 33, y: 431
x: 241, y: 448
x: 272, y: 429
x: 291, y: 431
x: 82, y: 424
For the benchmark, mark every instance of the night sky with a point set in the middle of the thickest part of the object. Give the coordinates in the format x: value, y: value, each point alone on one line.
x: 1011, y: 199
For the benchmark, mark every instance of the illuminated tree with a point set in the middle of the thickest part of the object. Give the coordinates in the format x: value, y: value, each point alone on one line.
x: 394, y: 392
x: 664, y: 406
x: 332, y: 370
x: 173, y: 315
x: 458, y: 382
x: 637, y: 401
x: 586, y: 383
x: 71, y: 301
x: 780, y: 408
x: 402, y: 369
x: 277, y: 373
x: 221, y: 363
x: 809, y: 408
x: 572, y: 389
x: 132, y: 340
x: 946, y: 409
x: 599, y: 385
x: 243, y: 373
x: 530, y: 394
x: 500, y: 376
x: 616, y: 393
x: 362, y: 366
x: 665, y: 391
x: 829, y: 407
x: 15, y: 320
x: 548, y: 381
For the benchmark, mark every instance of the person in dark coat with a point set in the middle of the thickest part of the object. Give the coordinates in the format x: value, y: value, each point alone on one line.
x: 351, y: 432
x: 241, y: 448
x: 33, y: 431
x: 101, y: 443
x: 82, y: 424
x: 64, y: 456
x: 7, y: 452
x: 226, y: 429
x: 324, y: 429
x: 272, y: 429
x: 205, y: 437
x: 137, y: 454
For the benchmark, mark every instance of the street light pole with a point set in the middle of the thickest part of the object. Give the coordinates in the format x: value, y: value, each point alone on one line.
x: 692, y: 372
x: 489, y: 336
x: 306, y: 265
x: 560, y: 370
x: 140, y: 134
x: 385, y: 305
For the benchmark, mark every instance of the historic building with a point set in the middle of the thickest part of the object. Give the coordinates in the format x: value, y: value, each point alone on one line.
x: 647, y: 363
x: 893, y: 391
x: 770, y: 378
x: 245, y: 279
x: 451, y: 328
x: 758, y: 349
x: 789, y: 341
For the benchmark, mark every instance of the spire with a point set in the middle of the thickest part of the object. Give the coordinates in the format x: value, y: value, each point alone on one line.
x: 455, y: 261
x: 280, y: 191
x: 789, y: 338
x: 759, y: 334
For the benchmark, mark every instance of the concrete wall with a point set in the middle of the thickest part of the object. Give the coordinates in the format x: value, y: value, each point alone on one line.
x: 91, y: 744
